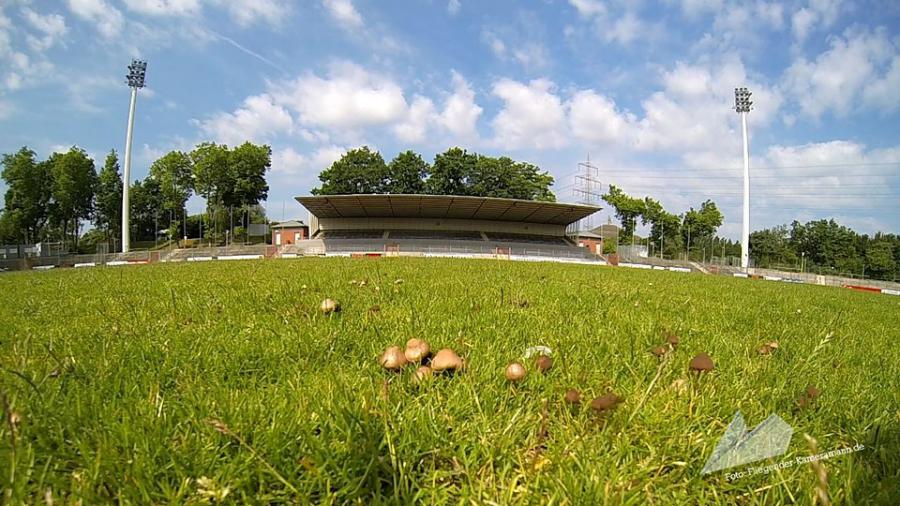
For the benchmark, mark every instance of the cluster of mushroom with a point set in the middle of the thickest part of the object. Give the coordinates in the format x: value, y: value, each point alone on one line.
x: 419, y: 352
x: 767, y: 348
x: 808, y: 397
x: 670, y: 344
x: 516, y: 372
x: 606, y: 402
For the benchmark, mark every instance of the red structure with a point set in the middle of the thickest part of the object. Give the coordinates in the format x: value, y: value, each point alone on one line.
x: 289, y: 232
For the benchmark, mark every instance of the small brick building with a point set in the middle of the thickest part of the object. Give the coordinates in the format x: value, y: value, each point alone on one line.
x: 289, y: 232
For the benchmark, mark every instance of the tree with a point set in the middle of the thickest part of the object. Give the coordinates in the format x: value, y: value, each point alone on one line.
x: 628, y: 209
x: 358, y: 171
x: 108, y: 212
x: 771, y: 247
x: 699, y: 226
x: 174, y: 175
x: 27, y: 195
x: 146, y: 201
x: 451, y: 172
x: 880, y: 260
x: 664, y: 227
x: 247, y: 167
x: 407, y: 173
x: 505, y: 178
x: 72, y: 190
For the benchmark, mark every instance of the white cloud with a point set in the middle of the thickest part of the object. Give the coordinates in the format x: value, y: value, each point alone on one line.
x: 51, y: 26
x: 532, y: 116
x: 349, y: 98
x: 596, y: 119
x: 248, y: 12
x: 588, y: 8
x: 107, y: 18
x: 289, y: 162
x: 625, y: 29
x: 857, y: 71
x: 498, y: 47
x: 816, y: 14
x: 344, y: 13
x: 164, y: 7
x: 453, y: 7
x: 415, y: 125
x: 461, y: 113
x: 257, y: 120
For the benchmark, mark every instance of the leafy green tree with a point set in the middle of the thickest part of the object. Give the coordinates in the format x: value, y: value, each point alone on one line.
x: 358, y: 171
x: 74, y: 182
x: 108, y: 212
x: 146, y: 201
x: 505, y: 178
x: 628, y: 209
x: 407, y: 174
x: 27, y: 195
x: 247, y: 167
x: 772, y: 247
x: 173, y: 172
x: 665, y: 227
x: 699, y: 226
x: 451, y: 173
x: 880, y: 261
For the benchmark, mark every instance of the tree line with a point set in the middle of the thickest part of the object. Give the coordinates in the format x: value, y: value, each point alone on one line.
x: 454, y: 172
x: 689, y: 234
x: 52, y: 199
x: 826, y: 247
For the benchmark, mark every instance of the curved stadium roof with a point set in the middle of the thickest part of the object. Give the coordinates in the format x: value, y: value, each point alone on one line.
x: 446, y: 207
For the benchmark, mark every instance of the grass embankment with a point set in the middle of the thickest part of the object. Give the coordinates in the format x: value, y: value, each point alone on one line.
x: 175, y: 383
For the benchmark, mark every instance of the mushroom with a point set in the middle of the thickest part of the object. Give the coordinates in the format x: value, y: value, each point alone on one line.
x: 398, y: 281
x: 543, y: 363
x: 764, y: 349
x: 515, y: 372
x: 606, y: 402
x: 659, y: 351
x: 573, y: 396
x: 812, y: 392
x: 702, y: 363
x: 393, y: 359
x: 772, y: 344
x: 446, y: 360
x: 422, y: 373
x: 416, y: 350
x: 330, y: 306
x: 672, y: 339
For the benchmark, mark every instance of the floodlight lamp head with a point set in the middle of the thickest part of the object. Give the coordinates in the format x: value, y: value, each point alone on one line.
x: 742, y: 101
x: 137, y: 71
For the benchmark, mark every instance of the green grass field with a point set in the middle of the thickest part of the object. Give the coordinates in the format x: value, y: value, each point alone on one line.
x: 222, y: 382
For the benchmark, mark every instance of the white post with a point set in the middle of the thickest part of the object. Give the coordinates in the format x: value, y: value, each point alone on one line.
x: 126, y: 180
x: 745, y: 234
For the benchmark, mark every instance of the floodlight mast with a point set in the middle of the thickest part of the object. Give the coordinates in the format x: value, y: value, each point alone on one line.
x: 135, y: 79
x: 743, y: 106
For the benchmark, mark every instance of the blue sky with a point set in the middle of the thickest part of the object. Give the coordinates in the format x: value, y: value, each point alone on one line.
x: 644, y: 88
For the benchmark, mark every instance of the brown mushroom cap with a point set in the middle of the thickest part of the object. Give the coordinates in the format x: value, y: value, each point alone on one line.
x: 543, y: 363
x: 416, y: 350
x: 659, y: 351
x: 393, y: 359
x: 812, y: 392
x: 605, y: 402
x: 446, y: 360
x: 672, y: 339
x: 764, y: 349
x: 330, y: 306
x: 572, y: 396
x: 422, y: 373
x: 515, y: 372
x: 701, y: 363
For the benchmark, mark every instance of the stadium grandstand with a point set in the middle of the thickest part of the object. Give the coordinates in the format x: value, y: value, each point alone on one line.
x: 441, y: 225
